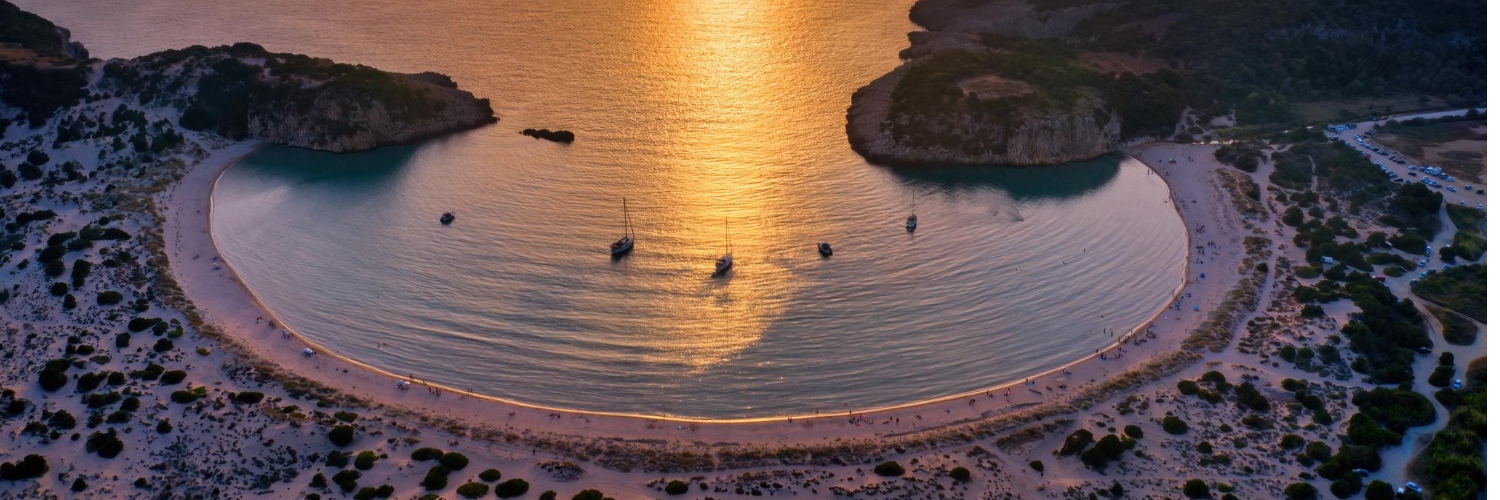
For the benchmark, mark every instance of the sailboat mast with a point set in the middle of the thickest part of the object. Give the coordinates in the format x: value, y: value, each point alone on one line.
x: 626, y: 208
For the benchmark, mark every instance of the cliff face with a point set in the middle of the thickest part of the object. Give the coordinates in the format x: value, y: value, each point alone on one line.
x: 242, y: 91
x: 956, y: 132
x: 1025, y: 137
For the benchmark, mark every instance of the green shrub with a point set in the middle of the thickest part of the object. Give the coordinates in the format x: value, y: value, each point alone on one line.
x: 1380, y: 490
x: 489, y: 475
x: 173, y: 377
x: 960, y: 474
x: 1187, y: 387
x: 1300, y: 491
x: 436, y: 478
x: 162, y: 345
x: 31, y: 467
x: 1292, y: 441
x: 249, y: 397
x: 1441, y: 376
x: 122, y: 340
x: 106, y: 444
x: 336, y: 459
x: 454, y: 460
x: 341, y: 435
x: 1134, y: 431
x: 425, y: 454
x: 588, y: 495
x: 513, y: 487
x: 890, y: 469
x: 1196, y: 488
x: 473, y: 490
x: 1036, y: 465
x: 110, y: 298
x: 1173, y: 425
x: 163, y: 426
x: 346, y: 417
x: 365, y: 460
x: 1076, y: 442
x: 347, y: 479
x: 1318, y: 450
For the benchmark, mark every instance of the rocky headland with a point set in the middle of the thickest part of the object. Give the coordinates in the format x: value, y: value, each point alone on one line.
x: 238, y: 91
x: 893, y: 121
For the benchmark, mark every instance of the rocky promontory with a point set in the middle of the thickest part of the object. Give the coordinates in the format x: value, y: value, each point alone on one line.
x: 242, y: 91
x: 955, y: 101
x: 238, y: 91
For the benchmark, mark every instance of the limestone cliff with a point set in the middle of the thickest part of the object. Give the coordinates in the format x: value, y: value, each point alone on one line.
x: 960, y: 129
x: 243, y: 91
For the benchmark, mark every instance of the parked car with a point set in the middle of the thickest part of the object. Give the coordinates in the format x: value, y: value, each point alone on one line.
x: 1457, y: 384
x: 1413, y: 486
x: 1468, y: 187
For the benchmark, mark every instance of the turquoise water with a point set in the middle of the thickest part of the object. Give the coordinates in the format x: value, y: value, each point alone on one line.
x: 701, y: 113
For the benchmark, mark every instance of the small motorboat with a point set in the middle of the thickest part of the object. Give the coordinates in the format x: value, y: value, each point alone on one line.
x: 825, y: 249
x: 447, y: 218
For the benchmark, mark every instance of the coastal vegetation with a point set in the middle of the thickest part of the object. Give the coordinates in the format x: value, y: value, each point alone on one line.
x: 1461, y: 289
x: 1454, y: 460
x: 1252, y: 61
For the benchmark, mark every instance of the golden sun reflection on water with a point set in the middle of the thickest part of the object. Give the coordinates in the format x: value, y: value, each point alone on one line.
x: 716, y: 57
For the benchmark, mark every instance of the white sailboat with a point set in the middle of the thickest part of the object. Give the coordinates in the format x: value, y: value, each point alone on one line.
x: 722, y: 265
x: 626, y: 242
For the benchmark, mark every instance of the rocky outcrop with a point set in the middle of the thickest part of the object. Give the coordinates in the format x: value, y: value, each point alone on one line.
x: 562, y: 136
x: 243, y: 91
x: 1027, y: 137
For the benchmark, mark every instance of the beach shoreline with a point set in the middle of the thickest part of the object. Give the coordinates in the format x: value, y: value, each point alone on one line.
x: 196, y: 190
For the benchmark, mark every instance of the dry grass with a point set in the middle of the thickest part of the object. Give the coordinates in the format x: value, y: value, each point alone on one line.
x: 1215, y: 333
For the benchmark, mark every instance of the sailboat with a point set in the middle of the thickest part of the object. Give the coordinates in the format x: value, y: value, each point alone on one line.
x: 722, y: 265
x: 911, y: 220
x: 626, y: 242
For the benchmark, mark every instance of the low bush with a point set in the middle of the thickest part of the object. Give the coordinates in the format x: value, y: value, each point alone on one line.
x: 173, y: 377
x: 425, y: 454
x: 1134, y: 431
x: 1173, y: 425
x: 109, y: 298
x: 473, y: 490
x: 454, y: 460
x: 436, y: 478
x: 512, y: 488
x: 1300, y: 491
x: 249, y: 397
x: 489, y: 475
x: 365, y: 460
x: 1196, y: 488
x: 890, y: 469
x: 341, y: 435
x: 31, y: 467
x: 960, y: 474
x: 347, y: 479
x: 106, y: 444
